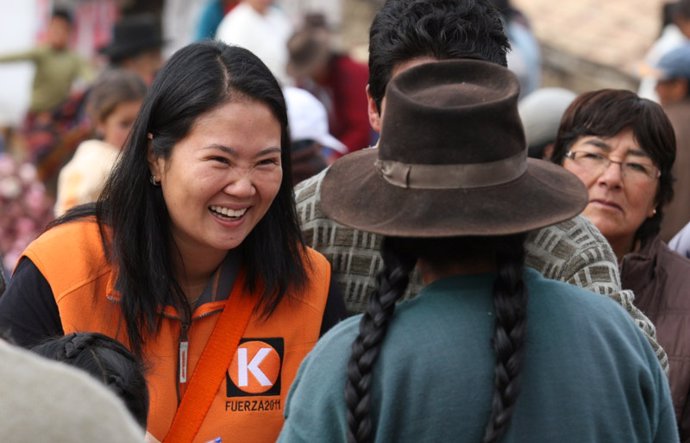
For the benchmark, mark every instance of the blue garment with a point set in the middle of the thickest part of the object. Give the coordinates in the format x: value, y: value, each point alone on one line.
x: 211, y: 16
x: 589, y: 374
x: 524, y: 58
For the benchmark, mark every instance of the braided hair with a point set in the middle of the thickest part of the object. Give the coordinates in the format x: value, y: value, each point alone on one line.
x: 107, y: 360
x: 391, y: 283
x: 510, y: 303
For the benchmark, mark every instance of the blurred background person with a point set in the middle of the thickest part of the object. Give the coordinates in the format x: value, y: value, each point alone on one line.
x: 675, y: 31
x: 57, y: 69
x: 312, y: 146
x: 524, y: 57
x: 672, y: 73
x: 136, y: 45
x: 335, y: 11
x: 113, y: 104
x: 540, y: 112
x: 211, y: 15
x: 623, y: 147
x: 264, y: 29
x: 333, y: 77
x: 179, y: 20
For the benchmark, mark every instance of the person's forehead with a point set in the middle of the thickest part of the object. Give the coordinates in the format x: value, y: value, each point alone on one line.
x: 58, y: 20
x: 624, y: 142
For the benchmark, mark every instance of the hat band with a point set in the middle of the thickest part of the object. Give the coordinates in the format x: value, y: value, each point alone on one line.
x: 455, y: 176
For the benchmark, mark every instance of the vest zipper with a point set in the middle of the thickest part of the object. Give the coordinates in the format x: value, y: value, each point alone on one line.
x: 183, y: 353
x: 183, y: 358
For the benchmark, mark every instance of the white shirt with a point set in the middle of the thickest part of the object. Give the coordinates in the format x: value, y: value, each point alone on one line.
x: 82, y: 179
x: 265, y: 35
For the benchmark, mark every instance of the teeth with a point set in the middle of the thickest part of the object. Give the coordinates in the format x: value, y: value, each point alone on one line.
x: 232, y: 213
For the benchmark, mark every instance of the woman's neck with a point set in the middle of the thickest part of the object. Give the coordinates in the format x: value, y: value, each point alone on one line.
x: 622, y: 246
x: 193, y: 276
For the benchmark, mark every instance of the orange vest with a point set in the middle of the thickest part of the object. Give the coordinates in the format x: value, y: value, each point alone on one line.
x: 249, y: 404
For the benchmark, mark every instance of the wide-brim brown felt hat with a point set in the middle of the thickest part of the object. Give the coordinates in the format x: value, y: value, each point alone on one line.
x: 451, y: 161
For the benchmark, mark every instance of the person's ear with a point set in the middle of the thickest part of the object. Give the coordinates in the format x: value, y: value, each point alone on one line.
x: 155, y: 162
x: 374, y: 115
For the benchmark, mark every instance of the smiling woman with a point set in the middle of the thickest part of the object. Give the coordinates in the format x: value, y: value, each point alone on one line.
x: 221, y: 179
x: 622, y: 147
x: 192, y: 255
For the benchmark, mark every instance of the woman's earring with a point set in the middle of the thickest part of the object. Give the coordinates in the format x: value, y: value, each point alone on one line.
x: 153, y: 180
x: 653, y: 212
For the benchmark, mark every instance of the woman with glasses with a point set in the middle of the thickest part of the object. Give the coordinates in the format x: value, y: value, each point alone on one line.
x: 622, y: 147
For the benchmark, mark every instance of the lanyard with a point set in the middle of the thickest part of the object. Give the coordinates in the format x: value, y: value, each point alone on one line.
x: 213, y: 363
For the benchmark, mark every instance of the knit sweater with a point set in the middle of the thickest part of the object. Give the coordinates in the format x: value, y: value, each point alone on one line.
x: 588, y: 373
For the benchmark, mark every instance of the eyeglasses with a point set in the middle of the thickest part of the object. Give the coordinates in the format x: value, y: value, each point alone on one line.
x: 597, y: 163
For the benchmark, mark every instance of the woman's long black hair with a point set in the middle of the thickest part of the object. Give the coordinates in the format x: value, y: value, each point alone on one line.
x: 510, y: 302
x: 197, y: 79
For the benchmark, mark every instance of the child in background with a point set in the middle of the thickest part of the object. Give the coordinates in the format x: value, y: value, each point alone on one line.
x: 107, y: 360
x: 113, y: 104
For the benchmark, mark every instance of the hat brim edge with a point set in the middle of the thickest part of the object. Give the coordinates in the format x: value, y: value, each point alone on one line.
x: 354, y: 194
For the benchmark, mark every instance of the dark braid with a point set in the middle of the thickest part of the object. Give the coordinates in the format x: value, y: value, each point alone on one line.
x: 107, y: 360
x: 391, y: 284
x: 510, y: 303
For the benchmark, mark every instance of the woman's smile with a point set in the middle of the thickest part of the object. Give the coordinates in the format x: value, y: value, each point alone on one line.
x: 228, y: 213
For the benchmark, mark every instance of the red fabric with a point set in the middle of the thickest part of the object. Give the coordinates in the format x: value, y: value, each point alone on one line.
x: 348, y: 120
x: 230, y: 5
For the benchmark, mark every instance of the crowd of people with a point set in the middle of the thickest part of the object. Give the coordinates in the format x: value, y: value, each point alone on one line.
x: 260, y: 238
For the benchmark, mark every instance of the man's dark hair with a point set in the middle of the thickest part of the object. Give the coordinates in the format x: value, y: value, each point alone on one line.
x: 443, y: 29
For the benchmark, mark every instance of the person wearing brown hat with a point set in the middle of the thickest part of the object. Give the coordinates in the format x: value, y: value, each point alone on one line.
x: 490, y: 350
x: 333, y: 77
x: 136, y: 45
x: 405, y: 33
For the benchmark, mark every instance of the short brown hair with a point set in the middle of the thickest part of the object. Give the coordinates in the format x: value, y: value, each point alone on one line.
x: 607, y: 112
